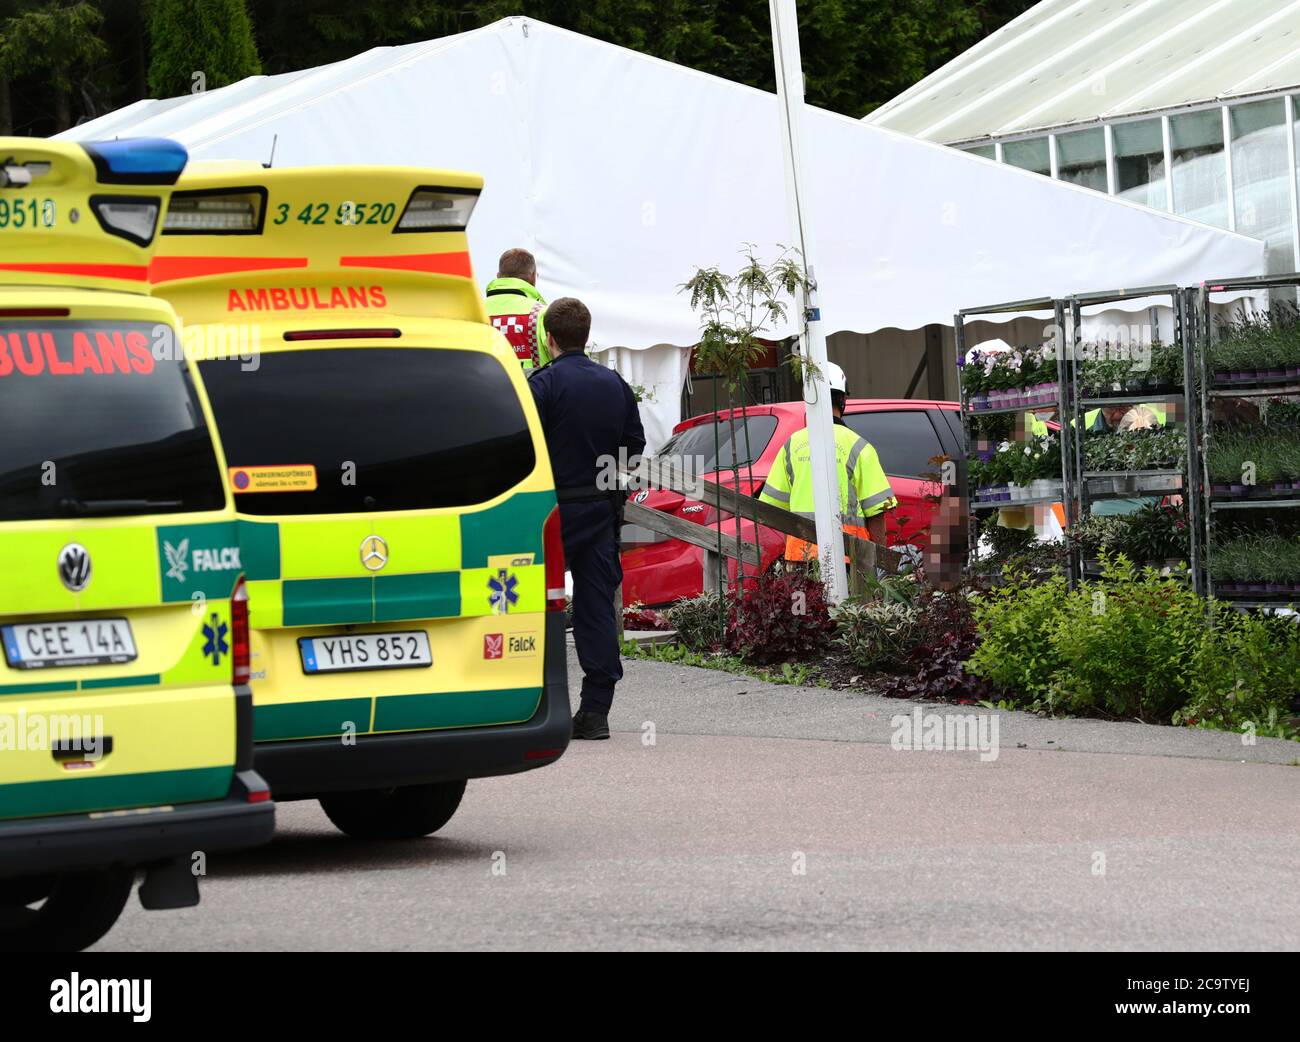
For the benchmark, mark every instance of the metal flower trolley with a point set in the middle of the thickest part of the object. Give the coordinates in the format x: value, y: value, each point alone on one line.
x: 998, y: 388
x: 1249, y: 372
x: 1123, y: 373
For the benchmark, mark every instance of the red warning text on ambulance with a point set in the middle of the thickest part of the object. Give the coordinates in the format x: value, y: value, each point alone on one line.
x: 307, y: 298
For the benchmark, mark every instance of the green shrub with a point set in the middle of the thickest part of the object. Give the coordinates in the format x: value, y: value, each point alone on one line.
x: 1246, y: 670
x: 1137, y: 645
x: 876, y: 634
x: 1124, y: 647
x: 696, y: 620
x: 1015, y: 622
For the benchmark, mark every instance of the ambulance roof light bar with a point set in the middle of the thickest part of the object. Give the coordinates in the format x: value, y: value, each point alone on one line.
x: 137, y: 161
x: 432, y: 209
x: 223, y: 211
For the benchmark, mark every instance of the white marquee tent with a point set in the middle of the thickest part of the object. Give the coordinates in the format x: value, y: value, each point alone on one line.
x: 623, y: 172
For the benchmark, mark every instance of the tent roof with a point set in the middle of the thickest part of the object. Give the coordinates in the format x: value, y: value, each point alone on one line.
x: 623, y: 173
x: 1069, y: 61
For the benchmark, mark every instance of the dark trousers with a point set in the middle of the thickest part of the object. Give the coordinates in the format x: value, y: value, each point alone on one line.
x: 590, y: 535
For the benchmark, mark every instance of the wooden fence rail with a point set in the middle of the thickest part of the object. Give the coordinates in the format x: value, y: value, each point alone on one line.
x: 865, y: 555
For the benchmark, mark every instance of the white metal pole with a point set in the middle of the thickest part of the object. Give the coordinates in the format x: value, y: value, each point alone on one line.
x: 821, y: 421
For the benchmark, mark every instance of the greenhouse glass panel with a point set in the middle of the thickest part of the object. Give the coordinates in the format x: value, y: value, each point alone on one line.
x: 1028, y: 155
x: 1081, y: 158
x: 1261, y: 181
x: 1140, y: 163
x: 1200, y: 167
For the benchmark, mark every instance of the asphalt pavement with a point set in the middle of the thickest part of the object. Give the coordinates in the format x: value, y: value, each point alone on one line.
x: 729, y: 813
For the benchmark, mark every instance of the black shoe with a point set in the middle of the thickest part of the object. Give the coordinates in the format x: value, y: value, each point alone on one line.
x: 593, y: 726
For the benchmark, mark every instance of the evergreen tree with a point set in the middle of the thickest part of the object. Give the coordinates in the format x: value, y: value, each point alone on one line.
x: 52, y: 42
x: 199, y: 44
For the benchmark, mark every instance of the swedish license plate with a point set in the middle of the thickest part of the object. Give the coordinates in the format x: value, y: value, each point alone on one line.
x: 405, y: 650
x: 68, y: 642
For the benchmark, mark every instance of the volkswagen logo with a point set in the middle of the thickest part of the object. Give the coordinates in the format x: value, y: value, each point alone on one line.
x: 374, y: 553
x: 74, y: 567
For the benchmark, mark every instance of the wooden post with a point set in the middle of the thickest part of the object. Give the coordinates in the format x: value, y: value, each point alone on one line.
x: 859, y: 567
x: 714, y: 570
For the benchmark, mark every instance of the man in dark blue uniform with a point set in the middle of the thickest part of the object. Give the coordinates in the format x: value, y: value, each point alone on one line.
x: 588, y: 414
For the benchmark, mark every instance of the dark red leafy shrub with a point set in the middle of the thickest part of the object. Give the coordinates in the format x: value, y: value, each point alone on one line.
x: 946, y: 621
x: 783, y: 618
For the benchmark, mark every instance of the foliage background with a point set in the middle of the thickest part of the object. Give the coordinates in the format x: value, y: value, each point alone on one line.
x: 63, y: 61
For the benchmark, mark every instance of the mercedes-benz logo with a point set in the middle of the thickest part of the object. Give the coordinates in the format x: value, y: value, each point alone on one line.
x: 374, y: 553
x: 74, y: 567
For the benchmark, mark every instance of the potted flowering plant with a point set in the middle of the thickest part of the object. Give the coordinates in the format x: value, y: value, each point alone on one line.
x: 1101, y: 375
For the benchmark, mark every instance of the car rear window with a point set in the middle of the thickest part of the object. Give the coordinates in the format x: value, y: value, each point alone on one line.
x: 94, y: 422
x: 904, y: 439
x: 380, y: 428
x: 735, y: 446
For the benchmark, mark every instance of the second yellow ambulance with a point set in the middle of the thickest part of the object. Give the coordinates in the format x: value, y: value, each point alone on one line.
x: 396, y: 511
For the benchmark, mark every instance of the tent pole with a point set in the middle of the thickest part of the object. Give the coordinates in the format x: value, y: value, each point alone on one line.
x: 821, y: 429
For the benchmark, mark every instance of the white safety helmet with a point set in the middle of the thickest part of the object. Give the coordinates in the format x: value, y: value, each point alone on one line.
x: 836, y: 378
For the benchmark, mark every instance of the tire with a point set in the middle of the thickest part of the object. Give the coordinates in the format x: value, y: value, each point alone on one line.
x: 408, y: 812
x: 79, y: 909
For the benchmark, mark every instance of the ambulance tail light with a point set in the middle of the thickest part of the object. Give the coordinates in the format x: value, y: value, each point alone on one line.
x: 133, y: 218
x: 553, y: 548
x: 438, y: 210
x: 235, y: 211
x: 240, y: 653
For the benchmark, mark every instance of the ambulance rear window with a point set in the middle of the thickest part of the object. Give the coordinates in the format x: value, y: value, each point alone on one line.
x: 364, y: 429
x: 94, y: 422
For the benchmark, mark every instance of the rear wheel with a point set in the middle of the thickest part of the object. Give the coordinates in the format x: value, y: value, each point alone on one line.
x: 407, y: 812
x: 61, y: 913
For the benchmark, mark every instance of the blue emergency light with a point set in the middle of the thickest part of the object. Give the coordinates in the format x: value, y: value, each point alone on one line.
x: 137, y: 161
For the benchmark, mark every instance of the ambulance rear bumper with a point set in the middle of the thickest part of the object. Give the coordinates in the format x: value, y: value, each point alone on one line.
x: 70, y: 842
x: 305, y: 769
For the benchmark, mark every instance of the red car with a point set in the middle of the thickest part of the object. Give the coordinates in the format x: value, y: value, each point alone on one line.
x: 907, y: 433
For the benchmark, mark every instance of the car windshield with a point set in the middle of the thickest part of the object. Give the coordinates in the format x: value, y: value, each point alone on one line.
x: 354, y: 429
x: 95, y: 422
x: 722, y: 445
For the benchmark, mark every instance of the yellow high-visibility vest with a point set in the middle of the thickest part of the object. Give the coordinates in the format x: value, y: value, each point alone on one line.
x: 516, y: 308
x: 864, y: 489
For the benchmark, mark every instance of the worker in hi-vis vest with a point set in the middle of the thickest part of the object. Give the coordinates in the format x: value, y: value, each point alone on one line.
x: 865, y: 492
x: 1124, y: 418
x: 516, y: 308
x: 1120, y: 418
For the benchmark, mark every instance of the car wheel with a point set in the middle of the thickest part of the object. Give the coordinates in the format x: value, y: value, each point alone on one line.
x: 62, y: 914
x: 407, y: 812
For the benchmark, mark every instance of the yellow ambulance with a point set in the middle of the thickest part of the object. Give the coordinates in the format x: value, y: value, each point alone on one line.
x: 396, y: 511
x: 125, y: 712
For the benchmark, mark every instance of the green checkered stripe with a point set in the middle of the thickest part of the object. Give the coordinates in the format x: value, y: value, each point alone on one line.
x: 513, y: 526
